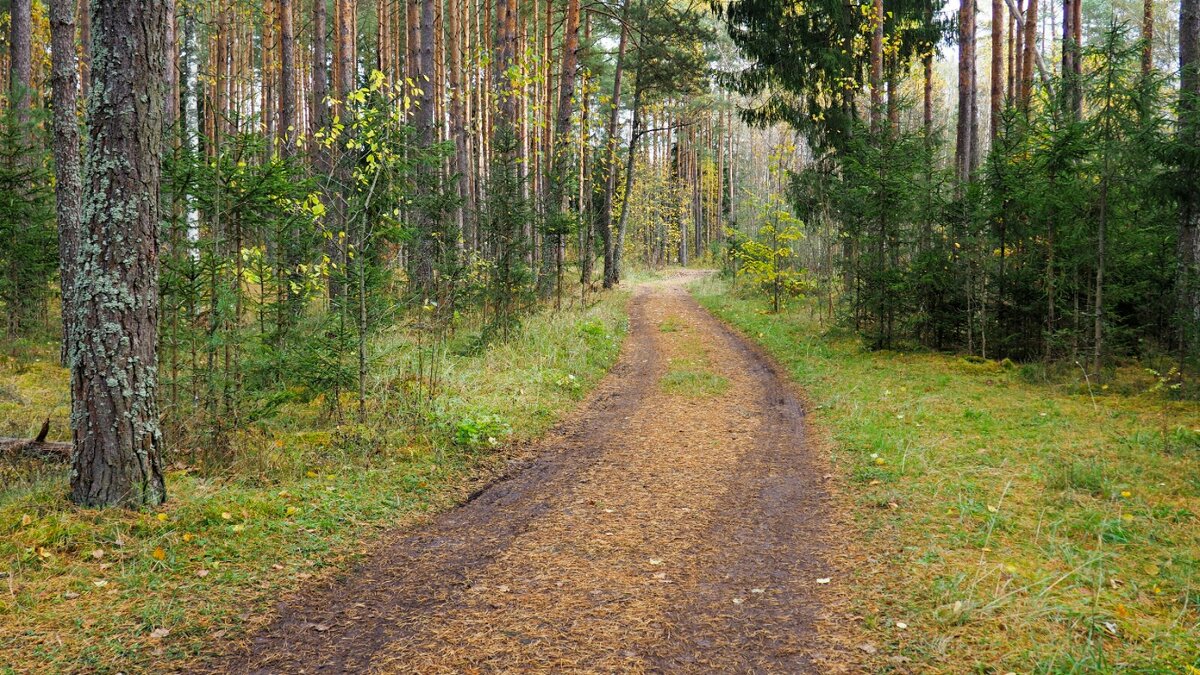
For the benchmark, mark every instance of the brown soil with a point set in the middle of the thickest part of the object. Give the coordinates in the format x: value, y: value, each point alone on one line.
x: 650, y: 532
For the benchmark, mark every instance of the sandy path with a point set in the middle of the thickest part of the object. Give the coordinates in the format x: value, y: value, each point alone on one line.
x: 676, y: 522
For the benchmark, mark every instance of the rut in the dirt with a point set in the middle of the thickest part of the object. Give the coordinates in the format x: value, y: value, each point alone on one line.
x: 676, y: 522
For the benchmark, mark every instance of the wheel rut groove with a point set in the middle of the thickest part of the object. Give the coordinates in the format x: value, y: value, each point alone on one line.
x: 653, y: 531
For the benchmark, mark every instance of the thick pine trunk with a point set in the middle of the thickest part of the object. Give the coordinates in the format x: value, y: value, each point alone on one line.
x: 64, y: 83
x: 117, y: 443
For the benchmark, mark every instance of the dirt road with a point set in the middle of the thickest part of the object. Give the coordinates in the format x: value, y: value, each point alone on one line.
x: 676, y: 522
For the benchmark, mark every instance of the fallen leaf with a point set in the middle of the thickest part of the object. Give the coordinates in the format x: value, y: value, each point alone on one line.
x: 992, y: 509
x: 868, y: 648
x: 655, y: 561
x: 202, y: 573
x: 70, y: 595
x: 756, y: 590
x: 737, y: 601
x: 901, y: 625
x: 98, y: 553
x: 100, y: 583
x: 159, y: 633
x: 26, y: 519
x: 162, y: 517
x: 320, y: 627
x: 1151, y: 570
x: 823, y: 580
x: 159, y: 554
x: 225, y: 515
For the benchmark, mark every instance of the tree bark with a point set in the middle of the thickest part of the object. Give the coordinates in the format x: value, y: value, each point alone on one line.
x: 635, y: 134
x: 997, y: 89
x: 966, y: 90
x: 20, y: 57
x: 426, y: 136
x: 1189, y: 135
x: 558, y: 166
x: 64, y: 84
x: 610, y: 188
x: 877, y: 64
x: 117, y: 443
x: 319, y: 117
x: 287, y: 79
x: 1147, y: 37
x: 1027, y: 58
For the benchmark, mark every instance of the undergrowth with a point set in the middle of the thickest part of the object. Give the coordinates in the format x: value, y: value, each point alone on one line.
x: 114, y: 590
x: 1012, y: 525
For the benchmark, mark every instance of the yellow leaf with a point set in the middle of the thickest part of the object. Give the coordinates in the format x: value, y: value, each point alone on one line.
x: 291, y: 510
x: 992, y: 509
x: 238, y: 528
x: 1151, y: 569
x: 1126, y: 493
x: 159, y: 554
x: 162, y: 517
x: 226, y: 515
x: 187, y: 536
x: 311, y: 474
x: 26, y: 519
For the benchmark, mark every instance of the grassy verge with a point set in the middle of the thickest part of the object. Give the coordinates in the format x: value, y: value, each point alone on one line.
x: 107, y: 591
x: 1009, y: 525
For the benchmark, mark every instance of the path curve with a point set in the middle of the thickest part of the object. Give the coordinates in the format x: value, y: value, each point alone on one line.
x: 676, y: 522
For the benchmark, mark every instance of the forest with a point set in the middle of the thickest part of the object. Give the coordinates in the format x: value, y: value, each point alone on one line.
x: 294, y: 288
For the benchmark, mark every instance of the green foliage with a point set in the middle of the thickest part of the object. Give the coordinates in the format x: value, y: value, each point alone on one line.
x: 483, y: 431
x: 28, y: 239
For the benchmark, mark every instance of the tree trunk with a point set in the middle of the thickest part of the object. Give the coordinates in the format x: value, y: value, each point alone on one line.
x: 997, y: 89
x: 610, y: 188
x: 20, y: 57
x: 1189, y: 134
x: 966, y: 90
x: 927, y: 108
x: 877, y: 64
x: 319, y: 116
x: 85, y: 52
x: 558, y: 166
x: 1147, y: 37
x: 630, y: 164
x: 287, y: 79
x: 117, y: 443
x: 424, y: 258
x: 1027, y: 58
x: 64, y: 83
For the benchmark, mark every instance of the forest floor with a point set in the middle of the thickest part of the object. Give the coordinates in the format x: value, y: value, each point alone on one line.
x: 1020, y: 519
x: 292, y: 499
x: 679, y: 520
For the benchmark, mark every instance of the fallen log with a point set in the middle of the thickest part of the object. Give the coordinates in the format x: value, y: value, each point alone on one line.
x: 37, y: 447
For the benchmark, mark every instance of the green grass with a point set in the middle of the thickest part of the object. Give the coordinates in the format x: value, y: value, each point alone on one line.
x: 681, y: 379
x: 114, y: 590
x: 1012, y: 525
